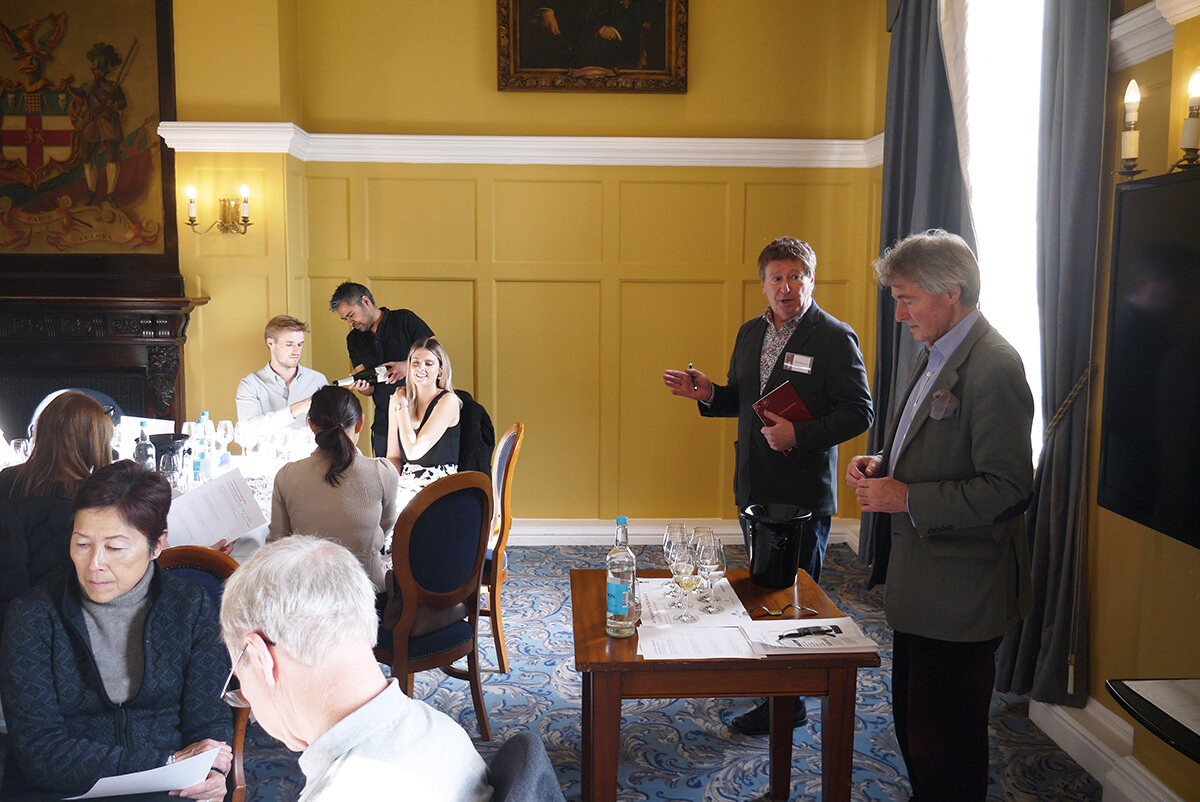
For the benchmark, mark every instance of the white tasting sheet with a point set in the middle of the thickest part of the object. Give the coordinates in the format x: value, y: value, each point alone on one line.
x: 180, y: 774
x: 657, y: 612
x: 223, y: 508
x: 693, y: 643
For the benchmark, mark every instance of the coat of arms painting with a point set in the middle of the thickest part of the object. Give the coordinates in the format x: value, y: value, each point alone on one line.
x: 80, y: 156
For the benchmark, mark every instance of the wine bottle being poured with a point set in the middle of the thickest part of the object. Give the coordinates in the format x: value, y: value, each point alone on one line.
x: 377, y: 375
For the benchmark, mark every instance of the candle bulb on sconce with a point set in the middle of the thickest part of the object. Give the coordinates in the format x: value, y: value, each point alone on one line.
x: 228, y: 222
x: 1129, y: 133
x: 1189, y: 135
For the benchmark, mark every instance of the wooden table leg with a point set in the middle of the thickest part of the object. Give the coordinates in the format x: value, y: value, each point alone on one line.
x: 779, y: 750
x: 837, y: 735
x: 606, y: 735
x: 585, y: 747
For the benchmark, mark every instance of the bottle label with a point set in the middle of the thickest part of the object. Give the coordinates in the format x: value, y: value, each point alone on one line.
x: 618, y: 598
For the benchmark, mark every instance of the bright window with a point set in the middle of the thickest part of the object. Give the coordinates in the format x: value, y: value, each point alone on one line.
x: 1003, y: 43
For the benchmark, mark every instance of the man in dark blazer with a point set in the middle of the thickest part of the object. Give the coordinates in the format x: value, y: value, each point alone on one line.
x: 955, y: 477
x: 794, y: 341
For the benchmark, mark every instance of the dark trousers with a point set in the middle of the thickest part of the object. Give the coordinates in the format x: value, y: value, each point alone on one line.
x: 941, y: 692
x: 379, y: 440
x: 814, y: 539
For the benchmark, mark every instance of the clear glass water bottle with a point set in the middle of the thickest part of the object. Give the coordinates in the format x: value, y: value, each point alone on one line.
x: 623, y: 606
x: 143, y: 452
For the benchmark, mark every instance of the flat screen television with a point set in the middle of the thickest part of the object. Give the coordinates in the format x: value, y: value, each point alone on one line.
x: 1150, y: 427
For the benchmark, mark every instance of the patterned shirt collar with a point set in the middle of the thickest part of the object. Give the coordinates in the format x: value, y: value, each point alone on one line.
x: 773, y: 343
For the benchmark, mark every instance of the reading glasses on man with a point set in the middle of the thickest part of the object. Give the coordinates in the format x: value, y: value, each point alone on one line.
x: 231, y: 691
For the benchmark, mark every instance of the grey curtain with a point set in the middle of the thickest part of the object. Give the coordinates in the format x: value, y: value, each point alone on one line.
x: 922, y: 188
x: 1045, y: 655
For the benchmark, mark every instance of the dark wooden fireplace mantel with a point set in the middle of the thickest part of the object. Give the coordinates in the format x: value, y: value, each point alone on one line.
x: 130, y: 348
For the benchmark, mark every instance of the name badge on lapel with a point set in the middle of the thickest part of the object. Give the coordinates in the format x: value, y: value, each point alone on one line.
x: 797, y: 363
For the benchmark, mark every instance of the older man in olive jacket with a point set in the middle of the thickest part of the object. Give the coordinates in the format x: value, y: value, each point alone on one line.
x: 956, y: 475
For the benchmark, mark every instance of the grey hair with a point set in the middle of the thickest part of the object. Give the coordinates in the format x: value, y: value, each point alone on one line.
x: 307, y: 594
x: 787, y: 249
x: 936, y: 261
x: 350, y: 292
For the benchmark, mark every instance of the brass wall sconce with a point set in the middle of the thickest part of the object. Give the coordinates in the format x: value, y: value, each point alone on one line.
x: 235, y: 213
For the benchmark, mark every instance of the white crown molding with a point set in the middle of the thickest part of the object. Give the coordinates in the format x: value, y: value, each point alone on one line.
x: 1176, y: 11
x: 1137, y: 36
x: 234, y: 137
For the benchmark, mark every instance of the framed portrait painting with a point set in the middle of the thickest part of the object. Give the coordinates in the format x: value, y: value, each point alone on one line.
x: 592, y: 45
x: 86, y: 184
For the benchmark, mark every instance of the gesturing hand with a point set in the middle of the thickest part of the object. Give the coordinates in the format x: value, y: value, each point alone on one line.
x: 689, y: 383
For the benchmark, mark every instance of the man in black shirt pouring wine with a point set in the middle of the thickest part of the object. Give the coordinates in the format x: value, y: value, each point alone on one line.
x: 378, y: 337
x: 788, y: 462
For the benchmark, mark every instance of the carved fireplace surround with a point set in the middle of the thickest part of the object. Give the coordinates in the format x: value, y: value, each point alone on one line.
x: 129, y: 348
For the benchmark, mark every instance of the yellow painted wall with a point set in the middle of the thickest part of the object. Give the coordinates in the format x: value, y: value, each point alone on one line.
x: 561, y: 292
x: 767, y: 68
x: 1144, y: 595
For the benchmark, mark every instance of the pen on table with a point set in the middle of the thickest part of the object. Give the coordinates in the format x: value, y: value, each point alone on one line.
x: 694, y: 385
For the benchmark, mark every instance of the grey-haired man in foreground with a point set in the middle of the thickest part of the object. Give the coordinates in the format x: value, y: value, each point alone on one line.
x: 298, y: 618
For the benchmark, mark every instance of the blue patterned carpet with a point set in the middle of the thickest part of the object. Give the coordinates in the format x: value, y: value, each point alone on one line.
x: 682, y: 750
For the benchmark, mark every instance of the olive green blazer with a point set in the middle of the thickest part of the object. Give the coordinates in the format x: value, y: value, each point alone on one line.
x: 959, y: 562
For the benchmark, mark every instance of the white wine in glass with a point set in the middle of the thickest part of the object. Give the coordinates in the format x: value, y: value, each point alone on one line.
x: 683, y: 571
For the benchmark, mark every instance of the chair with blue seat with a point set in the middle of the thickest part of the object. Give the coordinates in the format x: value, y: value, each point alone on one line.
x: 437, y: 562
x: 521, y: 771
x: 495, y: 566
x: 209, y: 569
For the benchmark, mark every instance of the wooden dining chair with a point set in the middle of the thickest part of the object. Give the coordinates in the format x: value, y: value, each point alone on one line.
x: 209, y: 569
x: 437, y: 562
x: 495, y: 565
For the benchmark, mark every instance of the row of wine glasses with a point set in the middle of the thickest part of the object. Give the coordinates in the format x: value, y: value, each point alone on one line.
x: 692, y: 557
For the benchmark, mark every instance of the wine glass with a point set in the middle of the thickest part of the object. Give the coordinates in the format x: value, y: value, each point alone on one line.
x: 701, y: 536
x: 671, y: 535
x: 224, y: 434
x: 171, y: 465
x: 675, y: 538
x: 710, y: 563
x: 683, y: 571
x: 245, y: 434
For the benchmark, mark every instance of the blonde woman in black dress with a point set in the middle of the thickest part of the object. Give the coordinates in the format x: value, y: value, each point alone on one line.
x: 424, y: 431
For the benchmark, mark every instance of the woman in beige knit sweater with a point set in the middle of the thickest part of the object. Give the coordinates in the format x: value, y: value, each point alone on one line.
x: 337, y: 493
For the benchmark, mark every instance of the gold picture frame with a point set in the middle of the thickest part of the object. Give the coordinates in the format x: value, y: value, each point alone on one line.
x: 592, y: 45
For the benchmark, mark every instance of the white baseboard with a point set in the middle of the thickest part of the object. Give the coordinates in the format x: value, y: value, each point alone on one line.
x: 1101, y: 742
x: 642, y: 531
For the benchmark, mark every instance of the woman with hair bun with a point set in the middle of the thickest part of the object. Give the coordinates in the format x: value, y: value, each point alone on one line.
x: 337, y: 493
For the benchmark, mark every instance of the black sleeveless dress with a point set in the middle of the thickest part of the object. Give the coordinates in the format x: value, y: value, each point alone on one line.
x: 445, y: 451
